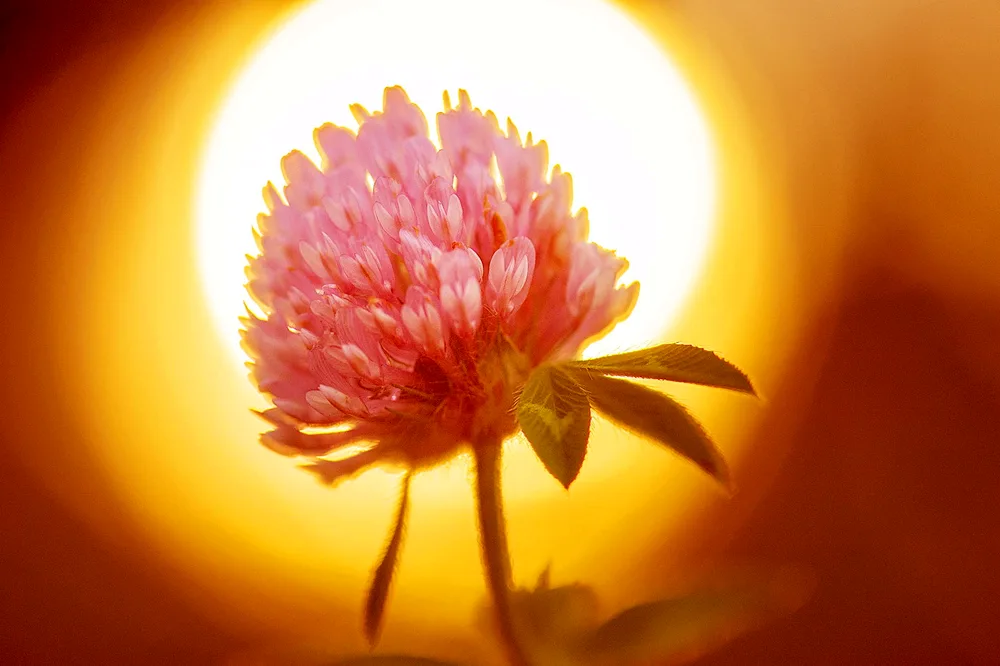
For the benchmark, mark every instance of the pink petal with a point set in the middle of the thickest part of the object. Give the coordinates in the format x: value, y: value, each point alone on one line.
x: 423, y: 322
x: 510, y: 273
x: 331, y: 471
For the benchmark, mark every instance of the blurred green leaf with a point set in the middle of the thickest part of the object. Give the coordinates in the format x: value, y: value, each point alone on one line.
x: 674, y: 362
x: 550, y: 621
x: 554, y: 615
x: 683, y: 629
x: 655, y: 416
x: 554, y: 413
x: 378, y: 593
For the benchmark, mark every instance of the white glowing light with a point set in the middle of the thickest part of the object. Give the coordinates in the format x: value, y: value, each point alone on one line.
x: 577, y: 73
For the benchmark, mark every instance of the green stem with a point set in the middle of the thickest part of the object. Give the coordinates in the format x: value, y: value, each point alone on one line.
x: 493, y: 539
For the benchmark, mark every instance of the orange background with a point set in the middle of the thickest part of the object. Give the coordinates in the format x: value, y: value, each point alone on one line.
x: 876, y: 127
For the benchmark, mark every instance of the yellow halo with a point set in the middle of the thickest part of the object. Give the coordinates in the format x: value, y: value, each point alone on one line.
x: 577, y: 73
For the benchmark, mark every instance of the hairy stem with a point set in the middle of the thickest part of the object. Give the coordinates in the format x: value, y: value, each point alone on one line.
x: 493, y: 539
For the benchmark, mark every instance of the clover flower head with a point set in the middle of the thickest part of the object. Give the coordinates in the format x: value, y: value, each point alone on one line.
x: 410, y: 289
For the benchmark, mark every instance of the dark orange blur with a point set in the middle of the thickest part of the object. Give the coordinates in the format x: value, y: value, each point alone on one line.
x: 876, y: 128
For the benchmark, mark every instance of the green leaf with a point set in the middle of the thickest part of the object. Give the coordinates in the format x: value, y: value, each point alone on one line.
x: 554, y: 414
x: 675, y: 363
x: 378, y: 593
x: 655, y: 416
x: 685, y: 628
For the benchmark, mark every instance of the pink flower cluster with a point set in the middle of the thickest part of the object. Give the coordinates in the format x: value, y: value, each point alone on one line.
x: 409, y: 289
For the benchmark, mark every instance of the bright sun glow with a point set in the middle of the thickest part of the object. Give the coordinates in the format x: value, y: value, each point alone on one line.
x: 577, y: 73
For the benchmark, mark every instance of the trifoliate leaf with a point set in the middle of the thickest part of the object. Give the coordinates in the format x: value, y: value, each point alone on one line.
x: 655, y: 416
x: 378, y: 593
x: 554, y: 414
x: 682, y: 629
x: 676, y: 363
